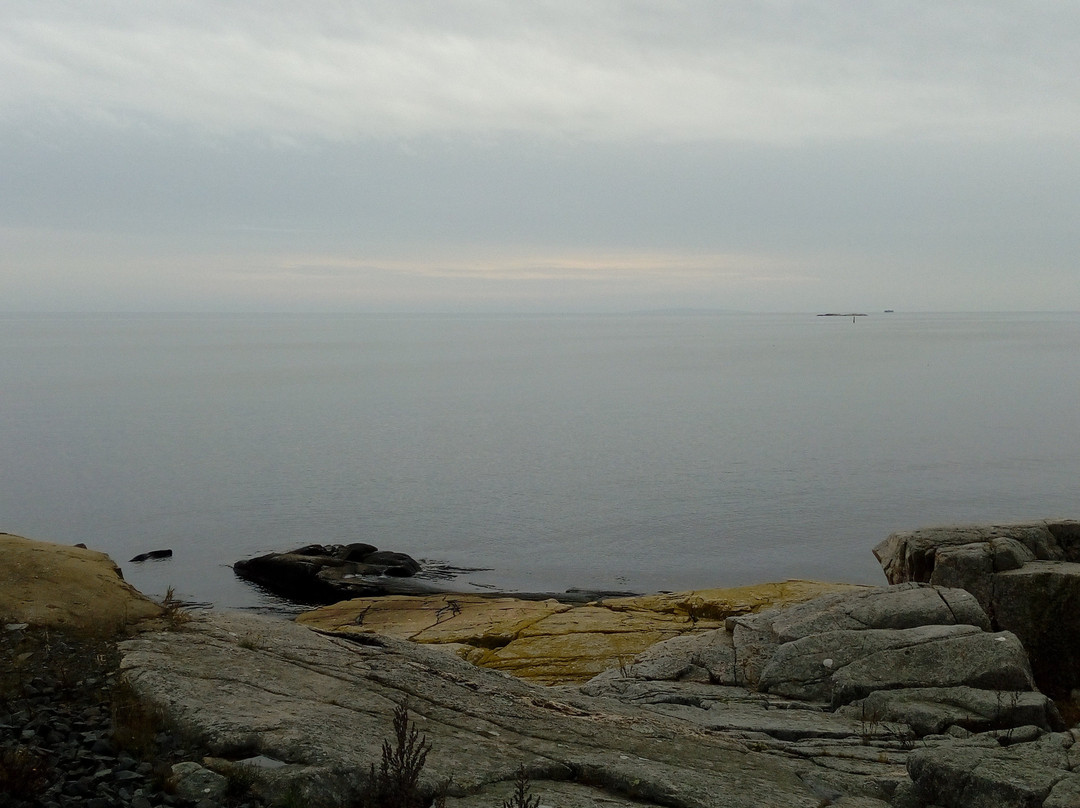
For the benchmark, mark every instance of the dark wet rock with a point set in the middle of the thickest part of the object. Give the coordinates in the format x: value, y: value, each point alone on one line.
x: 394, y: 563
x: 153, y: 555
x: 316, y: 573
x: 356, y: 552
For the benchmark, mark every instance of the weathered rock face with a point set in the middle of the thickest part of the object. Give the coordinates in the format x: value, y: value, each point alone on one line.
x: 902, y: 667
x: 1042, y: 774
x: 54, y: 585
x: 551, y: 642
x: 840, y: 666
x: 848, y: 649
x: 1025, y: 576
x: 677, y: 725
x: 247, y: 686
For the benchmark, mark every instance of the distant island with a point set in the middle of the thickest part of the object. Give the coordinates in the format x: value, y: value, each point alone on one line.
x: 839, y: 314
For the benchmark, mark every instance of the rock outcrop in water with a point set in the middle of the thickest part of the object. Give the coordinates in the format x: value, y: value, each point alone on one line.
x: 318, y: 573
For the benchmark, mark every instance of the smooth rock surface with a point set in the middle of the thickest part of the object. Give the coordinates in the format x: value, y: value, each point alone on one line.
x: 54, y: 585
x: 841, y: 666
x: 247, y: 685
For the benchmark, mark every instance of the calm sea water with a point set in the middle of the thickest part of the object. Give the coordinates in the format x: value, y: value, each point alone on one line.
x: 638, y: 452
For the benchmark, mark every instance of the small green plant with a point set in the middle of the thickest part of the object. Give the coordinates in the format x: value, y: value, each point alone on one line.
x: 521, y: 797
x: 1005, y: 714
x: 396, y: 784
x: 292, y: 798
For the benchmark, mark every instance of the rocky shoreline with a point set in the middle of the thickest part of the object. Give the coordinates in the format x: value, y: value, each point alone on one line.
x: 919, y: 693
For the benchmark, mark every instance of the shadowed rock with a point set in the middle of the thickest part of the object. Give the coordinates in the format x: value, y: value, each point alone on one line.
x: 1025, y: 576
x: 318, y: 573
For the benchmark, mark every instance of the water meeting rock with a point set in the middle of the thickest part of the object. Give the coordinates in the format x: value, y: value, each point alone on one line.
x: 902, y: 696
x: 319, y: 573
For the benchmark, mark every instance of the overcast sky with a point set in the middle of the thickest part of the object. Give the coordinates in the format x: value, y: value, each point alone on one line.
x: 539, y: 156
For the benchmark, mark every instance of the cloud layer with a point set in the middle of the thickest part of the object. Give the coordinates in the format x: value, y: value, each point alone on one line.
x: 539, y: 154
x: 606, y: 70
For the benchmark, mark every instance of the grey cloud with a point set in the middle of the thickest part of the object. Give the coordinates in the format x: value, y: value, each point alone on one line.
x: 750, y: 71
x: 164, y: 154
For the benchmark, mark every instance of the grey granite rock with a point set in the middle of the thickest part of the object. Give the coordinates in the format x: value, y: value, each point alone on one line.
x: 910, y: 555
x: 756, y: 638
x: 1025, y: 576
x: 1018, y: 776
x: 840, y: 666
x: 194, y: 782
x: 933, y: 710
x: 937, y: 714
x: 1040, y: 603
x: 245, y: 685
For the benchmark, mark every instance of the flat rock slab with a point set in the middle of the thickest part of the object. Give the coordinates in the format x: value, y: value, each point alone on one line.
x: 552, y: 642
x: 246, y: 685
x: 1029, y: 775
x: 58, y: 586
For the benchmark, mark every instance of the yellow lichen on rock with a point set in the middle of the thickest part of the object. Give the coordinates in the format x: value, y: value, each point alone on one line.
x: 551, y: 642
x: 439, y: 619
x: 720, y: 604
x: 575, y: 645
x: 59, y: 586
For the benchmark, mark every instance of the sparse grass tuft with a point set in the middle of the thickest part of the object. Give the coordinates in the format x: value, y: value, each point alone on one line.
x: 135, y: 725
x: 174, y: 612
x: 396, y: 784
x: 521, y: 797
x: 242, y: 779
x: 23, y: 773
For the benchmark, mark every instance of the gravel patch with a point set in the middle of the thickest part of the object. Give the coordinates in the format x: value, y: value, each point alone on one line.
x: 71, y: 734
